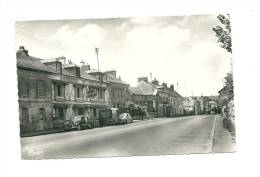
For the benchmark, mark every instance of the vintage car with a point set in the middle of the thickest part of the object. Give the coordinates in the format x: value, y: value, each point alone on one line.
x: 78, y: 122
x: 125, y: 118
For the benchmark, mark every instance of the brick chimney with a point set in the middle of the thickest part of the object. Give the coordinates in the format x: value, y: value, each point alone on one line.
x: 22, y: 51
x: 139, y: 79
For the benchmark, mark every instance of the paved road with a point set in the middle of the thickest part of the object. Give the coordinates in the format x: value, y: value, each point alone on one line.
x: 192, y: 134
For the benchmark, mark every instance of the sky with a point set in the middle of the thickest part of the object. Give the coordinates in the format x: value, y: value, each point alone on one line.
x: 179, y: 50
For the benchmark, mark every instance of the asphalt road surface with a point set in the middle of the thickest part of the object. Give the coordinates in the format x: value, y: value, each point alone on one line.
x: 163, y: 136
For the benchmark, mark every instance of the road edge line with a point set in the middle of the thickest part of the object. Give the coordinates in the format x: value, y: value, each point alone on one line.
x: 212, y: 134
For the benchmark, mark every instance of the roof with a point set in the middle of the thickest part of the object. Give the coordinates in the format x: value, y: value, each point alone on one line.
x: 111, y: 78
x: 169, y: 91
x: 85, y: 75
x: 29, y: 62
x: 143, y: 88
x: 70, y: 65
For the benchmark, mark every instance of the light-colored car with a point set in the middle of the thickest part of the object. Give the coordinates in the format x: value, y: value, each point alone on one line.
x: 77, y: 122
x: 125, y: 118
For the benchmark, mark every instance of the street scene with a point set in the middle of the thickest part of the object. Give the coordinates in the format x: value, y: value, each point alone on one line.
x: 191, y: 134
x: 138, y: 86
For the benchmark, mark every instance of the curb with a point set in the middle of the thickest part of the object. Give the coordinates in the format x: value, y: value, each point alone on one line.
x: 212, y: 133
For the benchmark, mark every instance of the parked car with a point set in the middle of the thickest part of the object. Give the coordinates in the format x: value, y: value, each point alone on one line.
x: 78, y: 122
x: 125, y: 118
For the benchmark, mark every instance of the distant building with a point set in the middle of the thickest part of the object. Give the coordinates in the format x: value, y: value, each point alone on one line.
x: 158, y: 100
x: 145, y: 95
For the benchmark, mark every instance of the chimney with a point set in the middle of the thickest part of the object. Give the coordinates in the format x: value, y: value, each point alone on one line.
x: 172, y: 87
x: 164, y: 84
x: 111, y: 72
x: 22, y: 51
x: 142, y: 79
x: 84, y: 67
x: 155, y: 82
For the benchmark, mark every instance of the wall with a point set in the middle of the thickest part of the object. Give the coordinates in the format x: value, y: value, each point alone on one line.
x: 117, y: 94
x: 34, y: 100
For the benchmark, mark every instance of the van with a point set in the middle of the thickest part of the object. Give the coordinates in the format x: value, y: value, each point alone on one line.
x: 108, y: 116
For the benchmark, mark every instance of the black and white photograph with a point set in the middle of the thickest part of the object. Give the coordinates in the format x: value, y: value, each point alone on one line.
x: 129, y: 88
x: 132, y: 86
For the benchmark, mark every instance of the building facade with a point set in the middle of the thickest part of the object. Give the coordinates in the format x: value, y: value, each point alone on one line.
x: 51, y: 92
x: 34, y: 93
x: 159, y: 100
x: 117, y: 89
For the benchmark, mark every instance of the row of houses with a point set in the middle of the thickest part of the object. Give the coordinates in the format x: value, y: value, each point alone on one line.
x: 196, y: 105
x: 52, y: 91
x: 158, y: 100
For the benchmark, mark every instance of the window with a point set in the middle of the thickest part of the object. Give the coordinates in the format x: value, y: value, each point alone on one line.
x: 59, y: 113
x: 80, y: 111
x: 79, y: 92
x: 94, y: 112
x: 60, y: 90
x: 25, y: 116
x: 42, y: 113
x: 24, y: 87
x: 40, y: 89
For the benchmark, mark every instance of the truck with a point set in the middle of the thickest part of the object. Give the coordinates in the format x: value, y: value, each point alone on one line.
x: 108, y: 116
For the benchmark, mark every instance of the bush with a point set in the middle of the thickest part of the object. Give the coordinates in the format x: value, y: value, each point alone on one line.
x: 228, y: 124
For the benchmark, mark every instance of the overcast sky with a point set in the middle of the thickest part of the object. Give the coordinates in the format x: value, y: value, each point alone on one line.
x: 174, y: 49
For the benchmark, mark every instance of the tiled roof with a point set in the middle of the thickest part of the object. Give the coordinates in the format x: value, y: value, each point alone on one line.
x: 30, y: 62
x: 143, y: 88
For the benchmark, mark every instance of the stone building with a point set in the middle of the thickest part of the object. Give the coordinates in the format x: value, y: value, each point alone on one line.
x: 34, y: 92
x: 75, y: 92
x: 171, y: 102
x: 117, y: 89
x: 145, y: 95
x: 159, y: 100
x: 51, y: 92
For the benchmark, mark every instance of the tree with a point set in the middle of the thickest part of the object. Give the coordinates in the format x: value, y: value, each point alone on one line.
x: 229, y: 86
x: 223, y: 32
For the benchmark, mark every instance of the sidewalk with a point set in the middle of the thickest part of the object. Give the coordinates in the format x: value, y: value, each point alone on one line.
x: 223, y: 141
x: 43, y: 132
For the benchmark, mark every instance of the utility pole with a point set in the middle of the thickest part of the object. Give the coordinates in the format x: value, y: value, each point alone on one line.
x: 97, y: 50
